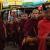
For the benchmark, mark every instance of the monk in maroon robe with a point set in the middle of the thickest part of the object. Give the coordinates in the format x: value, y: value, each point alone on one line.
x: 16, y: 30
x: 44, y: 31
x: 30, y: 26
x: 10, y: 32
x: 24, y: 18
x: 2, y: 33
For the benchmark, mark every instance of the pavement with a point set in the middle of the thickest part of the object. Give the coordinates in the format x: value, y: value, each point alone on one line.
x: 10, y: 47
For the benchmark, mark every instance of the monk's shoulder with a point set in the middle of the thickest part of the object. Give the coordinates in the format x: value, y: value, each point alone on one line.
x: 41, y: 22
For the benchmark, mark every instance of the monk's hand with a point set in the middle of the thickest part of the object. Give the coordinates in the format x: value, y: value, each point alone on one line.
x: 23, y: 42
x: 31, y: 39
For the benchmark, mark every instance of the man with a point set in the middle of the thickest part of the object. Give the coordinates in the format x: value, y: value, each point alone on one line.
x: 44, y: 30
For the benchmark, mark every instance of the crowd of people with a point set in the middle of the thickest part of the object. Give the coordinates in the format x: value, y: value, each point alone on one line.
x: 25, y: 29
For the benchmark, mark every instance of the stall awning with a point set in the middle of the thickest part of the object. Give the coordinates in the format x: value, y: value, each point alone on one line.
x: 33, y: 3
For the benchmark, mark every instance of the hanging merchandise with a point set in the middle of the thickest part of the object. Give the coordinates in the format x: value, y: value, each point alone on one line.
x: 40, y: 7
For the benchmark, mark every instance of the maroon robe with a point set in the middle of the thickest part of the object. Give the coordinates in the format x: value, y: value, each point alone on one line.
x: 21, y: 34
x: 11, y: 28
x: 30, y: 27
x: 2, y: 34
x: 2, y: 30
x: 7, y: 28
x: 43, y: 32
x: 16, y: 25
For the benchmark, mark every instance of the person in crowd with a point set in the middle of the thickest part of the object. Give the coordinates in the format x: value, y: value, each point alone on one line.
x: 5, y: 15
x: 10, y: 27
x: 7, y: 31
x: 16, y: 24
x: 11, y: 15
x: 44, y: 30
x: 23, y: 18
x: 30, y: 29
x: 35, y: 19
x: 41, y: 15
x: 2, y: 33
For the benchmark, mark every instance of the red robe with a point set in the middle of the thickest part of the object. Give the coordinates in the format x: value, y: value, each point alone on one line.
x: 16, y: 25
x: 11, y: 27
x: 22, y: 23
x: 21, y: 34
x: 2, y: 34
x: 2, y: 31
x: 43, y: 31
x: 7, y: 27
x: 30, y: 27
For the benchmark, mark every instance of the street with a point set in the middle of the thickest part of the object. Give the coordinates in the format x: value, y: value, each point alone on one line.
x: 10, y: 47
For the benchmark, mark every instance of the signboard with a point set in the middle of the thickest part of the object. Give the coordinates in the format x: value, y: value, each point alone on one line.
x: 14, y: 2
x: 0, y: 6
x: 5, y: 4
x: 27, y: 1
x: 19, y: 2
x: 14, y: 7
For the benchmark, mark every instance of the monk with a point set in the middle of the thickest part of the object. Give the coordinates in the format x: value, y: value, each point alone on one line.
x: 2, y: 33
x: 44, y: 30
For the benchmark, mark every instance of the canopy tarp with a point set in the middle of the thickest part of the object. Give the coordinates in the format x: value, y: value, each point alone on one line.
x: 33, y: 3
x: 14, y: 2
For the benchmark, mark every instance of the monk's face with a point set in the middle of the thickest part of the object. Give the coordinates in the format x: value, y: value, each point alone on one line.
x: 25, y: 16
x: 22, y: 16
x: 13, y: 13
x: 35, y: 15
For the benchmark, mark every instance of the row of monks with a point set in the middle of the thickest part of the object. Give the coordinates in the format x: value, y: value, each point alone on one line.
x: 24, y: 29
